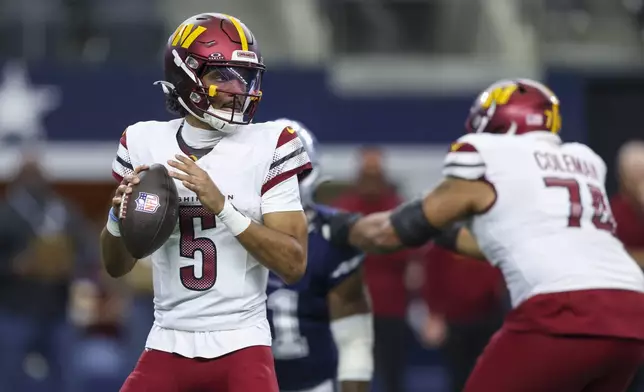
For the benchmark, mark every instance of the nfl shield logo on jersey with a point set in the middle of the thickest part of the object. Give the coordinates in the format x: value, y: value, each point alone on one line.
x: 147, y: 202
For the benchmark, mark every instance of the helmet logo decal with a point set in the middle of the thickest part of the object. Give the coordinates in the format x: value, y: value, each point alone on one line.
x: 185, y: 35
x: 500, y: 96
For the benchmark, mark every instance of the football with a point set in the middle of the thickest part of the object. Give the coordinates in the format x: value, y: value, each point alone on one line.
x: 149, y: 214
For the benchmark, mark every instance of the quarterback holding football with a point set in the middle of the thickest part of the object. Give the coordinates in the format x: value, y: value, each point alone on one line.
x: 239, y: 214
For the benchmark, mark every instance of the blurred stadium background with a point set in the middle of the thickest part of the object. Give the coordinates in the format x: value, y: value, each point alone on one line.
x: 398, y: 75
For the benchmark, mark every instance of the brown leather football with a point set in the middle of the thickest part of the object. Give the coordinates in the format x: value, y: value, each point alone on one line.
x: 149, y: 214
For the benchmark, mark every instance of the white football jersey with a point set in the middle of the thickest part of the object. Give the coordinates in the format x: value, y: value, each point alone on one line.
x: 204, y: 279
x: 551, y: 227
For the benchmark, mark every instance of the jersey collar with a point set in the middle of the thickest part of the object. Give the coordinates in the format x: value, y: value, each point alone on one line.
x: 545, y: 136
x: 199, y: 138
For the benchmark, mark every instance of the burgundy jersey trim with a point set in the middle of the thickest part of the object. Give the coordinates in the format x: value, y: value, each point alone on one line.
x: 299, y: 171
x: 289, y: 159
x: 464, y: 161
x: 122, y: 164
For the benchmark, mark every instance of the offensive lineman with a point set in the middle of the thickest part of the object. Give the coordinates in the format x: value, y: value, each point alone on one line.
x: 536, y: 208
x: 240, y: 215
x: 322, y: 325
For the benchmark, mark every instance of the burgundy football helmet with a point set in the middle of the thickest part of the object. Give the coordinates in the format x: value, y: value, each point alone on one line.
x: 213, y: 70
x: 515, y: 107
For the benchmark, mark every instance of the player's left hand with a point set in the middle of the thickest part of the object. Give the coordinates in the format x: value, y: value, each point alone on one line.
x: 197, y: 180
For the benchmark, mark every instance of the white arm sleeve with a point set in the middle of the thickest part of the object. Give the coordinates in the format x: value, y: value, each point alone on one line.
x: 283, y: 197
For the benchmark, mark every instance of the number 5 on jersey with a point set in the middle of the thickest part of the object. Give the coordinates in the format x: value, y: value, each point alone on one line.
x: 189, y: 245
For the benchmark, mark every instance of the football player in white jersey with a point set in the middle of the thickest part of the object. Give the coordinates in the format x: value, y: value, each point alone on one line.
x: 536, y: 208
x: 240, y: 215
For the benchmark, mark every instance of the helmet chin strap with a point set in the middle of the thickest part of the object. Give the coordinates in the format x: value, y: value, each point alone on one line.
x: 219, y: 124
x: 216, y: 123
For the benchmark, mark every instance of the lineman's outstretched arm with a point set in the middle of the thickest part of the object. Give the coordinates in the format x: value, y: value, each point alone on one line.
x: 419, y: 221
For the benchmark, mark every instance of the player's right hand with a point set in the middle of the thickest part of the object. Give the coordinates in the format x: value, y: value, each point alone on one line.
x: 125, y: 187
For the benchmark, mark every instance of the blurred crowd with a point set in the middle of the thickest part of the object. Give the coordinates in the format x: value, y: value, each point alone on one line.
x: 60, y: 319
x: 125, y: 31
x: 65, y: 326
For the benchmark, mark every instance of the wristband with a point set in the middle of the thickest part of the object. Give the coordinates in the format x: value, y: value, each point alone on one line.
x: 112, y: 224
x: 340, y: 225
x: 411, y: 226
x: 236, y: 222
x: 448, y: 238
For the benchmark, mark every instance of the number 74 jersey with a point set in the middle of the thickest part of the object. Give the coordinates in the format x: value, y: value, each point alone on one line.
x: 551, y: 228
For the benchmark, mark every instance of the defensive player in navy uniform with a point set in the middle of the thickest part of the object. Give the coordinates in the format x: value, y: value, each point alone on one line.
x: 322, y: 325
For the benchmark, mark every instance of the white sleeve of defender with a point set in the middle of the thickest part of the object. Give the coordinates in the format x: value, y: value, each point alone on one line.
x: 282, y: 197
x: 464, y: 161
